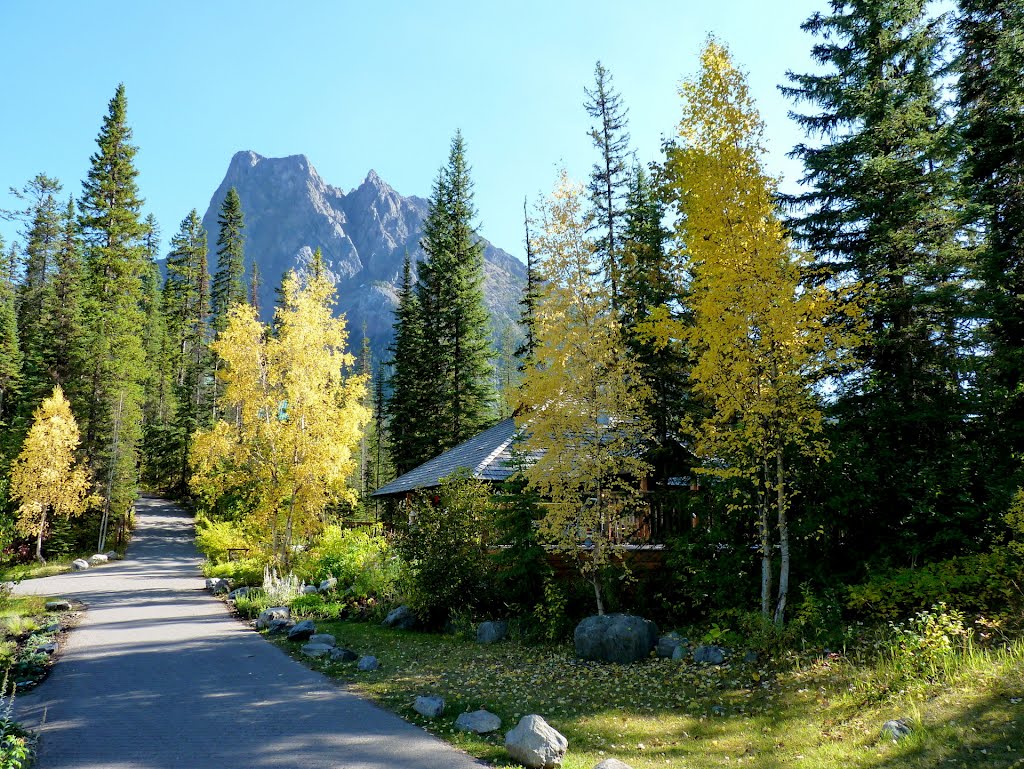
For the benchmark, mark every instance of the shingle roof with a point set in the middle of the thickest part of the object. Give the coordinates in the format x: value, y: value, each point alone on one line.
x: 485, y: 455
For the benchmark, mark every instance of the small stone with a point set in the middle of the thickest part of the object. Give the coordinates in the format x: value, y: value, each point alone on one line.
x: 1014, y: 700
x: 79, y: 565
x: 322, y: 638
x: 367, y: 663
x: 613, y: 763
x: 339, y: 654
x: 668, y: 644
x: 217, y: 585
x: 680, y: 652
x: 48, y: 648
x: 240, y: 592
x: 534, y: 744
x: 272, y: 613
x: 278, y: 626
x: 492, y: 632
x: 896, y: 729
x: 58, y: 606
x: 98, y: 558
x: 328, y: 584
x: 316, y: 650
x: 429, y: 707
x: 302, y: 631
x: 751, y: 657
x: 113, y: 555
x: 479, y: 722
x: 53, y: 627
x: 709, y: 655
x: 717, y: 710
x: 309, y: 589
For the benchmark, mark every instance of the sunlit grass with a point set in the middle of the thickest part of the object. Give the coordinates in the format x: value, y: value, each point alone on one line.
x: 821, y: 712
x: 34, y: 569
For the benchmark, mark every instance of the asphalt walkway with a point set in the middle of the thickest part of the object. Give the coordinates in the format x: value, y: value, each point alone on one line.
x: 159, y: 675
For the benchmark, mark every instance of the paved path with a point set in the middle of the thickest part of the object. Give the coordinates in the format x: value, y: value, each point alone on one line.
x: 158, y: 674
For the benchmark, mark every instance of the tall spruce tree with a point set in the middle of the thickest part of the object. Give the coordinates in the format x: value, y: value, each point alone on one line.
x: 455, y: 321
x: 406, y: 402
x: 879, y: 211
x: 990, y: 95
x: 66, y: 353
x: 528, y: 302
x: 10, y: 353
x: 608, y: 178
x: 229, y: 280
x: 112, y: 232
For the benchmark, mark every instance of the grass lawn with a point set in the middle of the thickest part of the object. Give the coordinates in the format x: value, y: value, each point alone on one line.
x: 820, y: 713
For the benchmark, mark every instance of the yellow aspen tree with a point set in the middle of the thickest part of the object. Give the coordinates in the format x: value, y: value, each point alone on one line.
x: 298, y: 416
x: 583, y: 401
x: 761, y: 337
x: 46, y: 478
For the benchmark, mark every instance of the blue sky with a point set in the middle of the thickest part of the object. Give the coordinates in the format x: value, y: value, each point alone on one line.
x: 356, y: 86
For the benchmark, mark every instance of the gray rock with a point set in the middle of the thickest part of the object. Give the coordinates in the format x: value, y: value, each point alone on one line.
x: 339, y: 654
x: 751, y: 657
x: 53, y: 627
x: 534, y: 744
x: 621, y: 638
x: 718, y: 710
x: 272, y: 613
x: 364, y: 234
x: 240, y: 592
x: 430, y: 707
x: 328, y: 584
x: 218, y: 586
x: 112, y: 555
x: 896, y: 729
x: 58, y: 606
x: 316, y: 650
x: 367, y: 663
x: 613, y: 763
x: 492, y: 632
x: 401, y: 618
x: 97, y: 559
x: 79, y: 565
x: 709, y: 655
x: 323, y: 638
x: 7, y: 587
x: 479, y: 722
x: 680, y: 652
x: 668, y: 644
x: 48, y: 648
x: 302, y: 631
x: 309, y: 589
x: 278, y: 626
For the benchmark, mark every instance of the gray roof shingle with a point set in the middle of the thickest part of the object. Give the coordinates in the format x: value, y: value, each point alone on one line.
x: 485, y: 455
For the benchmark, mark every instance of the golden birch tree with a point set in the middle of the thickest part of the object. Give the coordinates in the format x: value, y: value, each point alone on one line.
x: 762, y: 338
x: 291, y: 447
x: 46, y: 478
x: 583, y: 399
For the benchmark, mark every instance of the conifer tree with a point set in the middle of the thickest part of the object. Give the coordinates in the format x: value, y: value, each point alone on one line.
x: 112, y: 232
x: 990, y: 96
x: 455, y: 321
x: 407, y: 399
x: 10, y: 352
x: 66, y: 355
x: 255, y: 284
x: 879, y: 211
x: 608, y: 178
x: 229, y: 280
x: 528, y: 302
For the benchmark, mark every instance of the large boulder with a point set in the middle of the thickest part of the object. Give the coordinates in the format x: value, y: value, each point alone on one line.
x: 97, y: 559
x: 302, y: 631
x: 429, y: 707
x: 240, y: 592
x: 272, y: 613
x: 79, y: 565
x: 323, y: 638
x: 492, y: 632
x: 479, y: 721
x: 402, y: 618
x: 278, y: 626
x: 621, y: 638
x: 534, y: 744
x: 316, y: 650
x: 112, y: 555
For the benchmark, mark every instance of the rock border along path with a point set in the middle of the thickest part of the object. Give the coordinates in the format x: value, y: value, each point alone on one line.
x: 159, y: 674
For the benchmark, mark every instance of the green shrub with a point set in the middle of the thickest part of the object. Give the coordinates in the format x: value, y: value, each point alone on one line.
x: 361, y: 561
x: 248, y: 571
x: 216, y: 538
x: 252, y: 604
x: 985, y: 582
x: 445, y: 551
x: 318, y: 606
x: 929, y: 646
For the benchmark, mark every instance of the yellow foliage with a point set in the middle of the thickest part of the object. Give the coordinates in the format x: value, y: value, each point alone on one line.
x: 45, y: 477
x: 297, y: 416
x: 583, y: 398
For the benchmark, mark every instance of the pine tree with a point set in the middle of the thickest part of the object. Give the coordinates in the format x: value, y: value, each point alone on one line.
x: 455, y: 321
x: 879, y: 212
x: 528, y: 302
x: 10, y: 352
x: 112, y: 233
x: 254, y: 288
x: 66, y: 355
x: 406, y: 402
x: 608, y: 178
x: 229, y: 280
x: 990, y: 96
